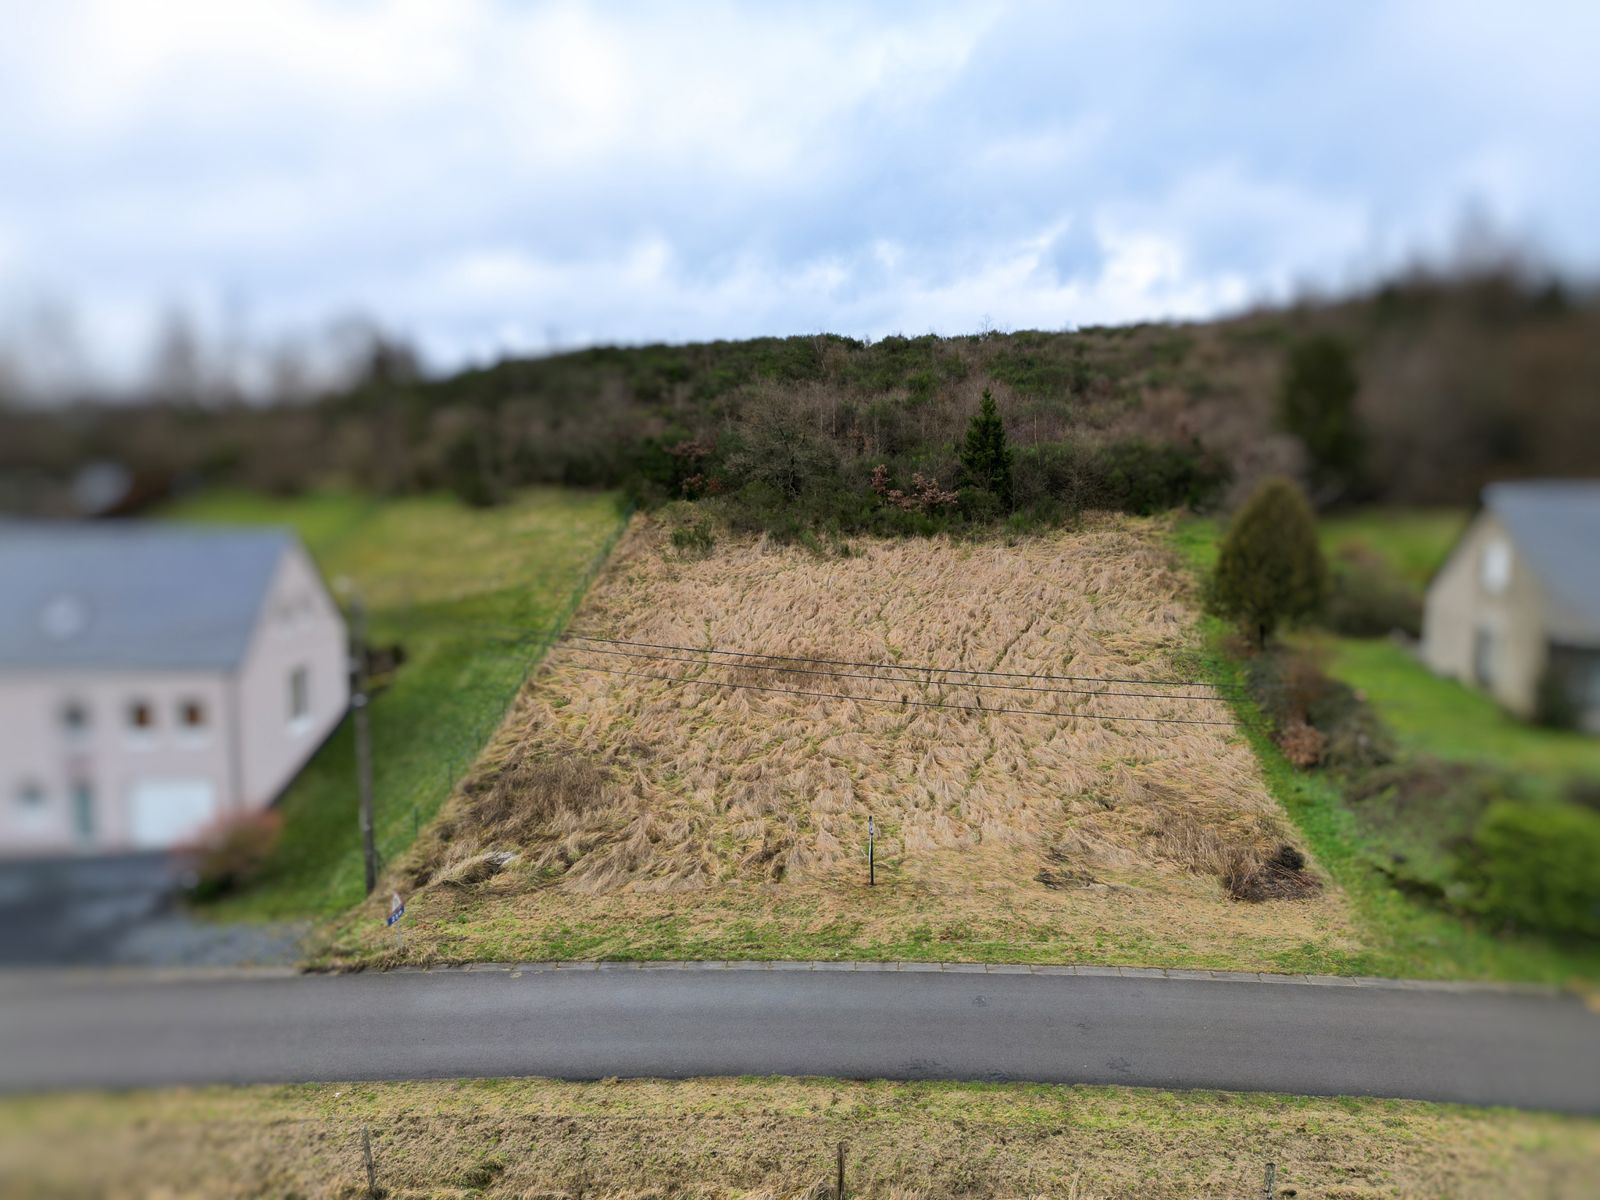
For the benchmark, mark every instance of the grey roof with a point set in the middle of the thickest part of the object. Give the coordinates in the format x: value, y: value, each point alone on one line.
x: 138, y: 594
x: 1555, y: 526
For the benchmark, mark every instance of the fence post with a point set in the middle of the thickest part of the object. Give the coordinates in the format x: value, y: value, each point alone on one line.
x: 838, y: 1188
x: 1272, y: 1178
x: 366, y: 1156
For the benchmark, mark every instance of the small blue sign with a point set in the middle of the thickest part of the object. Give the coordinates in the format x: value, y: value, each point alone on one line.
x: 396, y: 910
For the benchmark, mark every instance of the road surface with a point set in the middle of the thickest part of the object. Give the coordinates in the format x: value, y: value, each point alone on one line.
x: 1478, y: 1046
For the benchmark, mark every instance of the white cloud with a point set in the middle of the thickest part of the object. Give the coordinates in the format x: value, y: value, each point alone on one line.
x: 482, y: 173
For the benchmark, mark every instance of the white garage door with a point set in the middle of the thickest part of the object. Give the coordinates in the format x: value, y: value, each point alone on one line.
x: 169, y: 812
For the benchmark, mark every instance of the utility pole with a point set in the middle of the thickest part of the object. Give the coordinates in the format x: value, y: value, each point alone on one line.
x: 358, y: 706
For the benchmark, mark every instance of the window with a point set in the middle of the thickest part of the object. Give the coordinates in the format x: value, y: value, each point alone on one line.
x: 192, y: 716
x: 299, y: 696
x: 33, y: 807
x: 83, y: 811
x: 1483, y: 657
x: 75, y: 720
x: 1494, y: 569
x: 141, y: 717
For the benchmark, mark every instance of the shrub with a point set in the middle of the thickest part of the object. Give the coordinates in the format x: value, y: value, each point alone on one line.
x: 1136, y: 476
x: 232, y: 852
x: 1536, y: 866
x: 1302, y: 744
x: 1270, y: 567
x: 1554, y: 704
x: 1368, y: 600
x: 694, y: 538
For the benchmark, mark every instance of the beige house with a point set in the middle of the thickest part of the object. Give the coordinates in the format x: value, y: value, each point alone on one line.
x: 1516, y: 606
x: 155, y: 679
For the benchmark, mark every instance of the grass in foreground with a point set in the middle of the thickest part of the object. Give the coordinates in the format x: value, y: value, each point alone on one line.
x: 778, y: 1138
x: 652, y: 821
x: 451, y: 585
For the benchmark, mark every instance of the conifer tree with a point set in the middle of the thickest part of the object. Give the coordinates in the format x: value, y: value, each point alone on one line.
x: 1270, y: 568
x: 985, y: 457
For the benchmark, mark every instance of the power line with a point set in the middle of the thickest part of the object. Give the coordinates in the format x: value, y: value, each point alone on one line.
x: 1011, y: 687
x: 903, y: 701
x: 845, y: 662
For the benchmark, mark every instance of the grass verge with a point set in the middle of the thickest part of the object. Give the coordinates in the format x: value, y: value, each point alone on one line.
x: 447, y: 583
x: 778, y: 1138
x: 1404, y: 936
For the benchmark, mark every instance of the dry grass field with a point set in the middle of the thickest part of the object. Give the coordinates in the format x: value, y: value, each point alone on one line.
x: 620, y: 815
x: 766, y: 1139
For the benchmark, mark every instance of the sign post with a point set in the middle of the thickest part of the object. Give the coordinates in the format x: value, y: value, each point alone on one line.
x: 872, y: 865
x: 397, y: 909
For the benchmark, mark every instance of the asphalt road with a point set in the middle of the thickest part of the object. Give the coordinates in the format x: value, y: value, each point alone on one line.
x: 1477, y: 1046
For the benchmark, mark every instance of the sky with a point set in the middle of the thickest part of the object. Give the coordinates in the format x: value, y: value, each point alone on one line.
x: 487, y: 178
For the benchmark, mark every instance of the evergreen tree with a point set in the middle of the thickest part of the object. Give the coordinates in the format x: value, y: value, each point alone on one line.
x: 985, y: 457
x: 1270, y: 568
x: 1317, y: 405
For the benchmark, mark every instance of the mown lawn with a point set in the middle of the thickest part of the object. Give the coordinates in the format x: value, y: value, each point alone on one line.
x: 778, y: 1137
x: 1449, y: 720
x: 1408, y: 936
x: 471, y: 596
x: 1413, y: 541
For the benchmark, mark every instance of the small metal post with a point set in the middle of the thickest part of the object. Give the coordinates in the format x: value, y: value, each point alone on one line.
x: 872, y: 864
x: 838, y: 1188
x: 1272, y: 1178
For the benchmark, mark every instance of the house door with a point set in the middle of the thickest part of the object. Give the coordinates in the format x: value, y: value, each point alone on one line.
x: 163, y: 813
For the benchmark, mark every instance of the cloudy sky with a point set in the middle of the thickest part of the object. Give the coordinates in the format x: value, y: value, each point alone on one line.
x: 490, y: 177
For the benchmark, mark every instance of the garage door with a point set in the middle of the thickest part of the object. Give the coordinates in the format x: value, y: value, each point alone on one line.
x: 169, y: 812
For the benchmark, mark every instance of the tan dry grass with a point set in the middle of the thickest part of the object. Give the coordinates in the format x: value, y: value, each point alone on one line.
x: 776, y: 1138
x: 613, y: 789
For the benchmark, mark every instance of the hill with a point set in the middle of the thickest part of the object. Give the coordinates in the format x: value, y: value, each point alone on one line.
x: 1458, y: 380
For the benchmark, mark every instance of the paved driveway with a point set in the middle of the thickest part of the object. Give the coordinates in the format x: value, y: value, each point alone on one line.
x: 120, y: 911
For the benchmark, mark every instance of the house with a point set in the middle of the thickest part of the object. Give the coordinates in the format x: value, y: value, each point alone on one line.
x: 155, y: 679
x: 1515, y: 609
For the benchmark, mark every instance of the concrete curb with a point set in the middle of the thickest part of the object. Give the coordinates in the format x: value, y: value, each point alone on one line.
x: 966, y: 968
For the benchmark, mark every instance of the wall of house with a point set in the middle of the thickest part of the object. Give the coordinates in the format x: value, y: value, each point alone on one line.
x: 1467, y: 599
x: 42, y: 754
x: 300, y: 628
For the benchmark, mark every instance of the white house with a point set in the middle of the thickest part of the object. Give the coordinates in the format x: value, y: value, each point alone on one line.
x: 1516, y: 607
x: 156, y: 678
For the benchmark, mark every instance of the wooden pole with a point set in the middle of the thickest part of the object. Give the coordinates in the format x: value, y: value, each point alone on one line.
x: 1272, y: 1178
x: 366, y: 1157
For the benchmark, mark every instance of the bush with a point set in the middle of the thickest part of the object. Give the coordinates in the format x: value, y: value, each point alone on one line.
x: 1270, y: 567
x: 694, y: 538
x: 1302, y: 744
x: 1367, y: 600
x: 1537, y: 867
x: 1554, y: 705
x: 232, y: 852
x: 1140, y: 477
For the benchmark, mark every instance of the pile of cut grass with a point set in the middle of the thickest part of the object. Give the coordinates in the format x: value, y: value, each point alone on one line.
x: 774, y: 1138
x: 703, y: 820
